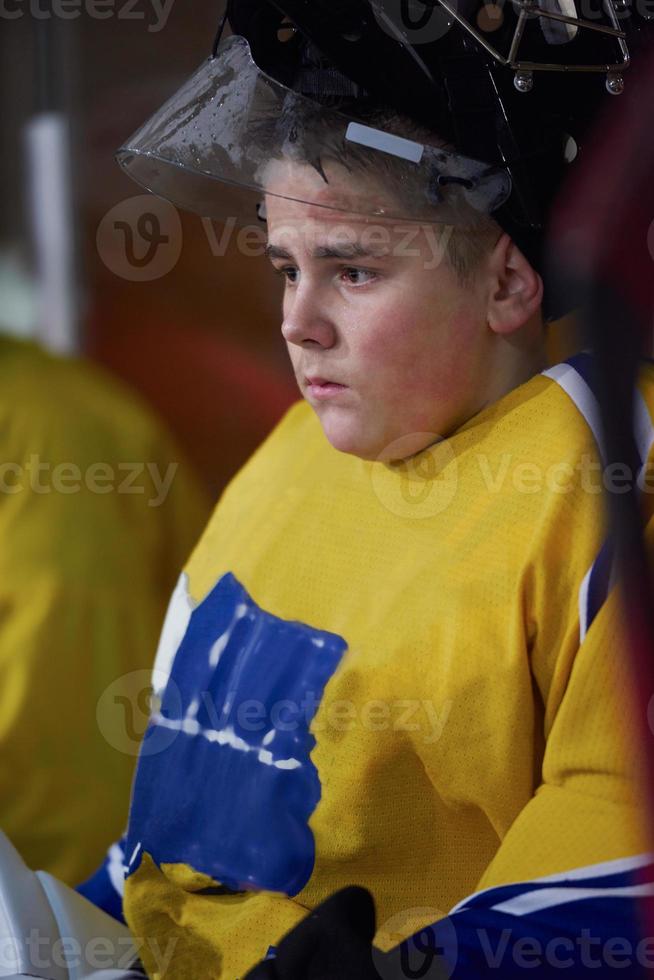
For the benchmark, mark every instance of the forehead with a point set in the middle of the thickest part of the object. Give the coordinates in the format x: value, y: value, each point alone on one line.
x: 338, y: 191
x: 336, y: 219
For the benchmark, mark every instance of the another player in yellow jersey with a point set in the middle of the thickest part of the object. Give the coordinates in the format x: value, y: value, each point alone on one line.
x: 97, y: 510
x: 393, y: 660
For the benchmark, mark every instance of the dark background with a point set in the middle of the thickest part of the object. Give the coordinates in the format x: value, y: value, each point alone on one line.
x: 201, y: 343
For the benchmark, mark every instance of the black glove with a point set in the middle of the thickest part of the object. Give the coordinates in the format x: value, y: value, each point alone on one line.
x: 334, y: 942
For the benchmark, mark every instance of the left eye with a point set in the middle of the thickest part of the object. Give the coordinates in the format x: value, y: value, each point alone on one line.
x: 352, y: 273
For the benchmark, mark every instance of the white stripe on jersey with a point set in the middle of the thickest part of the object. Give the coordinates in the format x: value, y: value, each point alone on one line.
x: 116, y: 868
x: 574, y: 385
x: 547, y: 898
x: 604, y: 869
x: 174, y: 627
x: 583, y: 604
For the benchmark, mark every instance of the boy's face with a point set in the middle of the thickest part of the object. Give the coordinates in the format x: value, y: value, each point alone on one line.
x: 397, y: 348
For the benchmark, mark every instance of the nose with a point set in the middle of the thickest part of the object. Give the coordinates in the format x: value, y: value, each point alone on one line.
x: 306, y: 319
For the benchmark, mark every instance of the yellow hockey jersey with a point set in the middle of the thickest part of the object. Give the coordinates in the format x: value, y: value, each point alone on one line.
x: 403, y: 676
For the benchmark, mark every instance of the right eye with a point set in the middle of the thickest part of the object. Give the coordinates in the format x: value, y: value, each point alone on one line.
x: 288, y: 271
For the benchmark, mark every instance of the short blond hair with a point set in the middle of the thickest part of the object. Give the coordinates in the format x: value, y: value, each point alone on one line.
x: 467, y: 243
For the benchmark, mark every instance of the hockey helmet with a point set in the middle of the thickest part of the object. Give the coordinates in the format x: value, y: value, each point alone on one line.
x: 501, y: 94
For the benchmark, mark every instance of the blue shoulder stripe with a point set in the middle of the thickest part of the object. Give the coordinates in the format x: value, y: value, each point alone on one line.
x: 577, y: 378
x: 546, y: 898
x: 619, y: 873
x: 595, y: 587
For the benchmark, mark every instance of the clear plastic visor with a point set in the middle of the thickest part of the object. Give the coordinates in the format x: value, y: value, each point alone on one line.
x: 232, y: 135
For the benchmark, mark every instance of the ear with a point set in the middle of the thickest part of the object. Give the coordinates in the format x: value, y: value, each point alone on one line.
x: 516, y: 289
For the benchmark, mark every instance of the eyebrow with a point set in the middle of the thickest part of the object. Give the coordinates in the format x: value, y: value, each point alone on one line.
x: 352, y: 250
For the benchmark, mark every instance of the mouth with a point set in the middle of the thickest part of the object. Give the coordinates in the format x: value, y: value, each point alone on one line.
x: 315, y: 381
x: 319, y: 387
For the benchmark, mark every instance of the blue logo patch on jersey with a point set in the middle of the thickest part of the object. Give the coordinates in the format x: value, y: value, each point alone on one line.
x: 233, y: 792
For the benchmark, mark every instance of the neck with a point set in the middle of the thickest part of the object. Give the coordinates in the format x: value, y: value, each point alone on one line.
x: 517, y: 358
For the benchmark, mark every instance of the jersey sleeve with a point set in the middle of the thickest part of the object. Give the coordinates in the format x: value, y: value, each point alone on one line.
x: 585, y: 923
x: 584, y: 825
x: 586, y: 808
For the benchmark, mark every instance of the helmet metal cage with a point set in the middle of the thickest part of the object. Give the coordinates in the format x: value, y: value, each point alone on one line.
x: 528, y: 10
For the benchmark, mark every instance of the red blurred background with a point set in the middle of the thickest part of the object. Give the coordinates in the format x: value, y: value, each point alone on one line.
x: 202, y: 342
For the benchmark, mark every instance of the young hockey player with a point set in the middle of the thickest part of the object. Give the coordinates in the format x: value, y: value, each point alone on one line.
x: 393, y: 660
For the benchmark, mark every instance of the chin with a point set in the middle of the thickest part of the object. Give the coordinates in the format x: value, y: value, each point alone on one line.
x: 394, y: 451
x: 349, y: 439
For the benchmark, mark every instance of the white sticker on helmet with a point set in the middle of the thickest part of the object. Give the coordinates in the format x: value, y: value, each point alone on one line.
x: 376, y: 139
